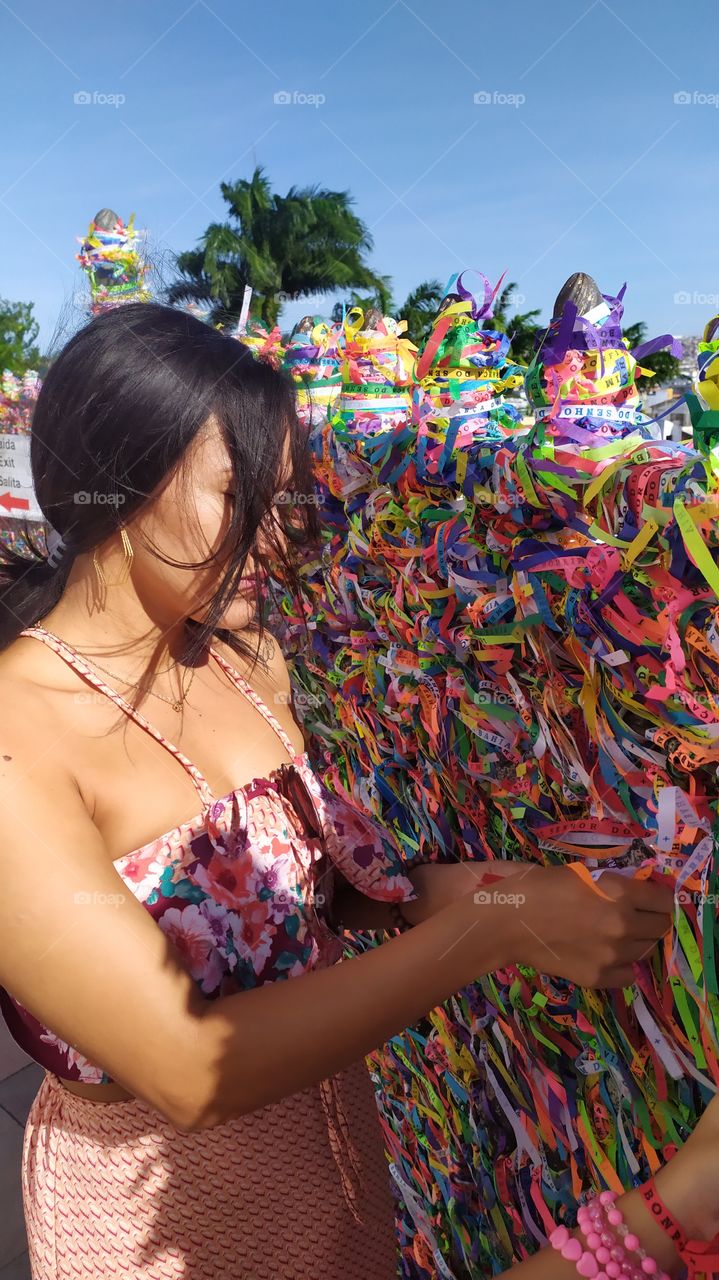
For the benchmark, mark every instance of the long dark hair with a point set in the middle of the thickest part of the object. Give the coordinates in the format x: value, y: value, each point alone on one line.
x: 117, y: 411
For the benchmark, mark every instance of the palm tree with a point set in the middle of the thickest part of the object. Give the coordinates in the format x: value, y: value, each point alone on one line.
x: 305, y: 242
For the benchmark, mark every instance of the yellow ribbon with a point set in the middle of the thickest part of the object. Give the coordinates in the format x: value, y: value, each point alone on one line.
x: 696, y: 546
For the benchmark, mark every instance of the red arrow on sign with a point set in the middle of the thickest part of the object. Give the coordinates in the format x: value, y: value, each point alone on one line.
x: 8, y: 502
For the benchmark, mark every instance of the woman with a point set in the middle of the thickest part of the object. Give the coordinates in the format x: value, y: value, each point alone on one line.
x: 206, y: 1111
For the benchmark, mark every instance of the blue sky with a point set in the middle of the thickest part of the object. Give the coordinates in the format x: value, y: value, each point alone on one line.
x: 598, y: 167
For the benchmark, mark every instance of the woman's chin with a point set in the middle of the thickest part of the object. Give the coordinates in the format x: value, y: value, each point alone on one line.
x: 238, y: 617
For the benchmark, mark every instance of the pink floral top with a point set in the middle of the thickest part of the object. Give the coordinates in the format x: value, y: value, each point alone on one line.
x: 244, y: 890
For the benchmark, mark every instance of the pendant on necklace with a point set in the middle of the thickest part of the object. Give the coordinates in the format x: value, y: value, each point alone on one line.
x: 176, y: 706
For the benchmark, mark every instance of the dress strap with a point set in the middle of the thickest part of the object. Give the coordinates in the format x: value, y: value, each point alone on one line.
x: 256, y: 701
x: 74, y: 660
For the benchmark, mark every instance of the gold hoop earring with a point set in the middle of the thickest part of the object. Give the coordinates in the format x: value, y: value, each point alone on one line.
x: 128, y: 555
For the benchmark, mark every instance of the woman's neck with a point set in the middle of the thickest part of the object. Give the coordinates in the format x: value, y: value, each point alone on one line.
x: 114, y: 622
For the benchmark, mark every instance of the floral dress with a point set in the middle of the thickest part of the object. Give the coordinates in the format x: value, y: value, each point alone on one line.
x: 244, y: 891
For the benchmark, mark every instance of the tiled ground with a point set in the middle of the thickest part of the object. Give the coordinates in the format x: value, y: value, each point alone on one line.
x: 19, y: 1082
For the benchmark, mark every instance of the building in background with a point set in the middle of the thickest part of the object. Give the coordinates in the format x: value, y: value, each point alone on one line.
x: 668, y: 405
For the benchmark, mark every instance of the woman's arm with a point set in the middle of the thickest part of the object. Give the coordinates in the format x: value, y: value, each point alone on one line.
x: 437, y: 885
x: 87, y: 959
x: 550, y: 1265
x: 689, y: 1187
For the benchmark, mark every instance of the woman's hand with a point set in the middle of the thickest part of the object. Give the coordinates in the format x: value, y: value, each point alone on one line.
x: 557, y: 923
x: 560, y: 926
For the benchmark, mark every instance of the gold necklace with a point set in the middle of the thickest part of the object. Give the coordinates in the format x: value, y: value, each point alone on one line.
x: 172, y: 702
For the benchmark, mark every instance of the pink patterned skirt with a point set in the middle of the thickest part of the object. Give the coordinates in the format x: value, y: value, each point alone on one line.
x: 298, y: 1190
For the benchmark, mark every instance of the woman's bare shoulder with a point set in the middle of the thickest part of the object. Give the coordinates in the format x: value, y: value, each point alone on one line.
x: 31, y: 727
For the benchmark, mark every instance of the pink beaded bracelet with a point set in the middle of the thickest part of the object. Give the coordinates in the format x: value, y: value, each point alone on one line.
x: 609, y: 1242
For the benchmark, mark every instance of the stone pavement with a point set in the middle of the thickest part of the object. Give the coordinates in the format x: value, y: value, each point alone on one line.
x: 19, y: 1082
